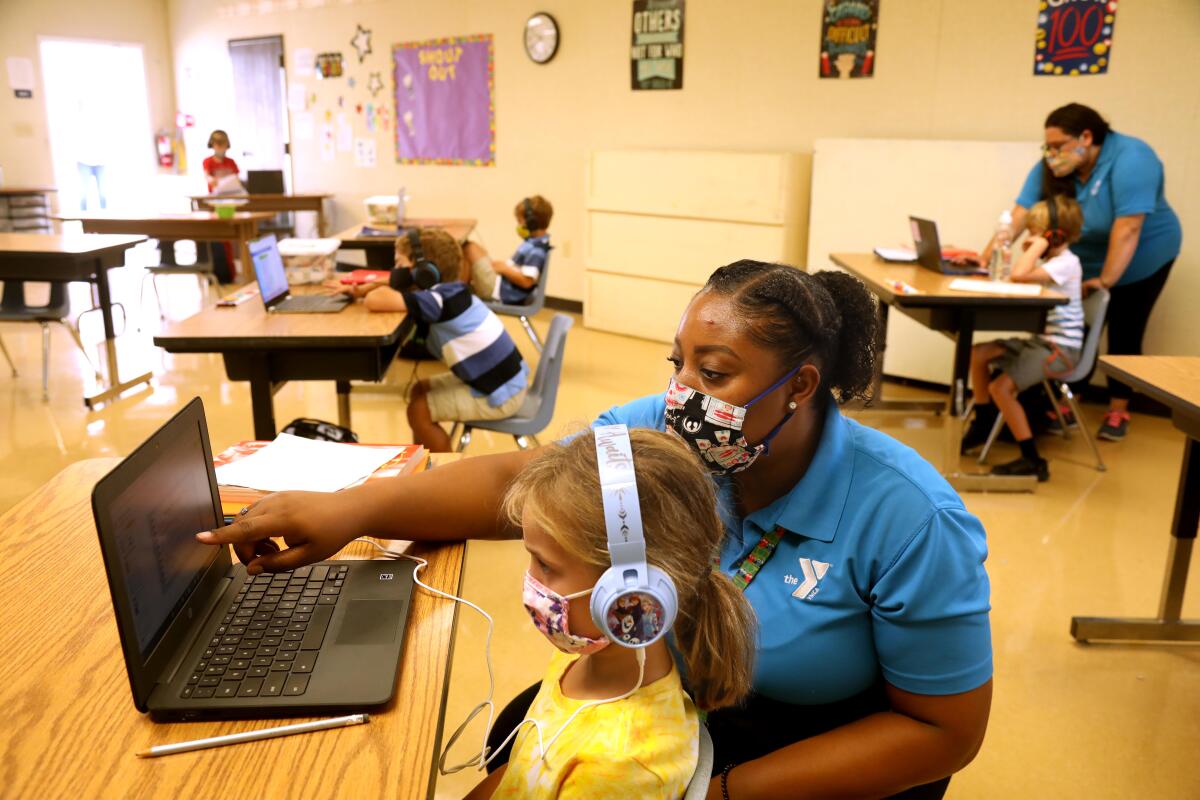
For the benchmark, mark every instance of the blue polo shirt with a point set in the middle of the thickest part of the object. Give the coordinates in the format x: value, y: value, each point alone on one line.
x: 880, y: 572
x: 1128, y: 179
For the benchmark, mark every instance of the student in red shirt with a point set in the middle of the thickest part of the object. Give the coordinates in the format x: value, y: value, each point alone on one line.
x: 216, y: 167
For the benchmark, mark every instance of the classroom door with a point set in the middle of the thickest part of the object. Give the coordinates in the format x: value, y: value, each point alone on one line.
x: 261, y: 138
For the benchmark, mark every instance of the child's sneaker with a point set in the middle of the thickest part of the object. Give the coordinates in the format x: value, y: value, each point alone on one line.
x: 1055, y: 427
x: 1024, y: 466
x: 1116, y: 425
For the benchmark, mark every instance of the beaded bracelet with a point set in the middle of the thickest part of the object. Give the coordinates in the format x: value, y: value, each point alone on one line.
x: 725, y: 780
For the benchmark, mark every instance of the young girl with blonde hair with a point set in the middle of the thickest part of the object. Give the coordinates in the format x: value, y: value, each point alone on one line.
x: 642, y: 738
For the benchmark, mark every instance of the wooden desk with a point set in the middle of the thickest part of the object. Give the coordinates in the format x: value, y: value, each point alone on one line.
x: 271, y: 202
x: 200, y: 226
x: 957, y: 315
x: 268, y: 350
x: 1175, y: 382
x: 71, y: 726
x: 63, y: 259
x: 381, y: 249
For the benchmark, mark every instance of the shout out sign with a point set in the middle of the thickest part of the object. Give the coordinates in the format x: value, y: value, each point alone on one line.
x: 1074, y: 37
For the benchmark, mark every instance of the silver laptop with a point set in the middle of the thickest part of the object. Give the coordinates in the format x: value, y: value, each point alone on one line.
x: 929, y: 250
x: 204, y: 640
x: 273, y: 285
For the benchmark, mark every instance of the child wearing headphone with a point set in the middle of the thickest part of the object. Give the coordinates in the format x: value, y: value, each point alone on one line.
x: 488, y: 379
x: 1053, y: 225
x: 219, y: 166
x: 612, y: 716
x: 512, y: 281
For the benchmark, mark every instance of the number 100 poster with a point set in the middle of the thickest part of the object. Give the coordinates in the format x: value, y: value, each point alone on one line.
x: 1074, y: 37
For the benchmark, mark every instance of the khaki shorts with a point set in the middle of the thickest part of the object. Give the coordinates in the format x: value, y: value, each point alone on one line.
x: 1030, y: 361
x: 451, y: 400
x: 485, y: 281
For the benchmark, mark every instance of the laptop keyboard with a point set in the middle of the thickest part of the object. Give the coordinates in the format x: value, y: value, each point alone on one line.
x: 268, y: 641
x: 308, y: 302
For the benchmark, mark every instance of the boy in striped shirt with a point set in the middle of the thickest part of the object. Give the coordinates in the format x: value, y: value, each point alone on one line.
x: 488, y: 379
x: 1027, y: 362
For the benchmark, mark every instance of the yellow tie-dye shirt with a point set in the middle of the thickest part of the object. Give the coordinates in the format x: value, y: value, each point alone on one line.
x: 645, y: 746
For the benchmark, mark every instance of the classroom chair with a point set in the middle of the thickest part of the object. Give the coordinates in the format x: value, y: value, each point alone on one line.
x: 697, y: 788
x: 1095, y: 308
x: 534, y: 414
x: 537, y: 301
x: 203, y: 272
x: 13, y: 308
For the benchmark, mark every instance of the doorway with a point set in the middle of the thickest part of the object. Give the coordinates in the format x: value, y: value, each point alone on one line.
x: 101, y: 142
x: 259, y: 88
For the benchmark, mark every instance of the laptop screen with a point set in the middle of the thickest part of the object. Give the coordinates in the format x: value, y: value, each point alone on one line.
x: 268, y: 268
x: 155, y: 519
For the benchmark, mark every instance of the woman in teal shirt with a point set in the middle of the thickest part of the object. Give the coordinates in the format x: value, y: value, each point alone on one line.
x: 866, y: 573
x: 1131, y: 236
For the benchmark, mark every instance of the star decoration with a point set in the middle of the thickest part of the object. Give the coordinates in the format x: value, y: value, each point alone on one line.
x: 375, y: 84
x: 361, y: 42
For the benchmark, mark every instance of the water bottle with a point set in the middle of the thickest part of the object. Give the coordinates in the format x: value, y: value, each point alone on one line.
x: 1000, y: 264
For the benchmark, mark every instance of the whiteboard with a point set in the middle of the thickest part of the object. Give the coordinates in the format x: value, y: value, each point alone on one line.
x: 863, y: 191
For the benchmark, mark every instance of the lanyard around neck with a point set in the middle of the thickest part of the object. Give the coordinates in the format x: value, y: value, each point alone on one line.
x: 747, y: 568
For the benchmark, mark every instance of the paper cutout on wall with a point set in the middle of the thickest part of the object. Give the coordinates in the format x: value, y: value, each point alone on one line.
x: 351, y: 82
x: 375, y: 84
x: 326, y: 134
x: 848, y: 30
x: 297, y: 97
x: 302, y: 62
x: 303, y: 126
x: 364, y: 152
x: 1074, y: 38
x: 361, y: 42
x: 370, y: 117
x: 448, y: 116
x: 345, y: 134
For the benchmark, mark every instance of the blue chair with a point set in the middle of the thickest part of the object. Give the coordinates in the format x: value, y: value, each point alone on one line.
x: 537, y: 301
x: 13, y: 308
x: 1095, y: 309
x: 534, y: 414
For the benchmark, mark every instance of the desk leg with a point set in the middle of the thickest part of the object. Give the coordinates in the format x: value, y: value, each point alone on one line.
x: 115, y: 386
x: 343, y: 403
x: 247, y: 265
x: 878, y: 403
x: 262, y: 399
x: 320, y: 218
x: 1167, y: 626
x: 970, y: 481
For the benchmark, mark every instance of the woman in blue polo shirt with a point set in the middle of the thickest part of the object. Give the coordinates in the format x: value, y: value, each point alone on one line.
x: 1131, y: 236
x: 864, y: 568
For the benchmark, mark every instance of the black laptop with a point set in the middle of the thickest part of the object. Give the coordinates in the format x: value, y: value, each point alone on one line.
x: 264, y: 181
x: 929, y: 250
x: 273, y: 285
x: 201, y: 638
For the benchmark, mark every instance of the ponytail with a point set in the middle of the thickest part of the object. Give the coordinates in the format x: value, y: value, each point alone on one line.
x: 717, y: 640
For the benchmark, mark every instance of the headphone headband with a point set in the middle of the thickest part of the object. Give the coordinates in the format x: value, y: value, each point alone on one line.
x: 527, y: 212
x: 1054, y: 235
x: 618, y: 489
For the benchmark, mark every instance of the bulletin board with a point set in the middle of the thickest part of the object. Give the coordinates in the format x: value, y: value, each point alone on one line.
x: 863, y: 191
x: 445, y: 108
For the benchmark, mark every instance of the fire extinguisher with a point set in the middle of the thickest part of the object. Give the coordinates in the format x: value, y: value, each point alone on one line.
x: 165, y: 149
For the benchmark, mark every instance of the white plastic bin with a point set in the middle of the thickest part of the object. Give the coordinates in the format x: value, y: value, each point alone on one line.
x: 308, y: 260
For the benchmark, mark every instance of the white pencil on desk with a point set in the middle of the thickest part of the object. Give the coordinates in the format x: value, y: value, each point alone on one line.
x: 253, y: 736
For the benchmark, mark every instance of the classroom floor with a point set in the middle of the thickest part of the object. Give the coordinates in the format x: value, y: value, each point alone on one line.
x: 1068, y: 720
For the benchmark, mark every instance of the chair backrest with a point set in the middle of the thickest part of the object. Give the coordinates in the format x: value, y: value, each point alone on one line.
x: 535, y: 302
x: 698, y: 786
x: 264, y: 181
x: 544, y: 390
x: 1095, y: 308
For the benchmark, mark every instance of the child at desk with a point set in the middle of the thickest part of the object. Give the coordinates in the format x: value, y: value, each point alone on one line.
x: 1027, y: 362
x: 512, y: 281
x: 488, y: 379
x: 219, y: 172
x: 642, y: 738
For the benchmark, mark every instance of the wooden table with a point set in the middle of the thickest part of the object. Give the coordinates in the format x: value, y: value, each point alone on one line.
x: 64, y: 259
x: 70, y: 726
x: 200, y: 226
x: 268, y: 350
x: 274, y: 203
x: 1175, y: 382
x: 957, y: 315
x: 381, y: 248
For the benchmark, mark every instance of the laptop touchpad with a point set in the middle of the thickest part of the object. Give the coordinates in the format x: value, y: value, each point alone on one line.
x: 370, y: 622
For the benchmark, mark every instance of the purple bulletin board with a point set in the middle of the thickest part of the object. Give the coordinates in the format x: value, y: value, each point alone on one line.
x: 445, y: 111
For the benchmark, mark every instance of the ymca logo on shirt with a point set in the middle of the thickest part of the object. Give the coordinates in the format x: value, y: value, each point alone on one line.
x: 812, y: 572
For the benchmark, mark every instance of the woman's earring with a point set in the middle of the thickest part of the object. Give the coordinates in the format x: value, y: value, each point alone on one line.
x: 792, y: 406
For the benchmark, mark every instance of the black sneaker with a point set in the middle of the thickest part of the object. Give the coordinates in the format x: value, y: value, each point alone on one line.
x: 1023, y: 466
x: 1055, y: 427
x: 1116, y: 425
x: 977, y: 434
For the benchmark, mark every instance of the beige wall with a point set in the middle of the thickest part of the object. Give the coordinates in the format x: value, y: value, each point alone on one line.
x: 24, y: 140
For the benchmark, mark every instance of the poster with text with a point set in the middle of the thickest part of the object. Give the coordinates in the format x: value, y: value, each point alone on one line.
x: 445, y: 110
x: 848, y: 38
x: 656, y: 57
x: 1074, y: 37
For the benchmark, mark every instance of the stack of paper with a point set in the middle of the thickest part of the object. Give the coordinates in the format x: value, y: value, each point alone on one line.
x: 292, y: 462
x: 996, y: 287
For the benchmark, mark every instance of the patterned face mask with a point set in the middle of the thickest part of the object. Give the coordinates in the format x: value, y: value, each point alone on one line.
x: 548, y: 609
x: 1064, y: 162
x: 713, y: 428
